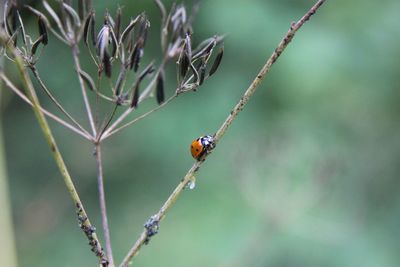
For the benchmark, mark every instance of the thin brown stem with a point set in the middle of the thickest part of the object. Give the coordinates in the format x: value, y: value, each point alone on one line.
x: 103, y: 209
x: 144, y: 237
x: 75, y: 52
x: 47, y: 113
x: 117, y: 122
x: 54, y: 100
x: 111, y: 131
x: 109, y: 119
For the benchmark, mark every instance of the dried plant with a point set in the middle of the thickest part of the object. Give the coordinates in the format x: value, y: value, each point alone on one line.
x: 116, y: 52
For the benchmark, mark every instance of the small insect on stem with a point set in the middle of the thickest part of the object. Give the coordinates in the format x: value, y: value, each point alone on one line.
x: 202, y: 146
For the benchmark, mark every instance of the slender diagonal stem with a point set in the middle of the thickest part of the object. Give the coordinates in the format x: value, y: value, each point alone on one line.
x: 84, y: 221
x: 75, y: 52
x: 55, y: 101
x: 113, y: 131
x: 239, y: 107
x: 117, y: 122
x: 103, y: 209
x: 45, y: 112
x: 108, y: 121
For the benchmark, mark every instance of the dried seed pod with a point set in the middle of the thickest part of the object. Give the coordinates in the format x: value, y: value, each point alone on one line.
x: 11, y: 19
x: 117, y: 27
x: 120, y: 81
x: 184, y: 63
x: 88, y: 80
x: 108, y: 19
x: 160, y: 94
x: 43, y: 30
x: 178, y: 19
x: 135, y: 57
x: 88, y: 21
x: 107, y: 64
x: 114, y: 43
x: 103, y: 39
x: 39, y: 14
x: 137, y: 54
x: 204, y: 48
x: 135, y: 97
x: 148, y: 70
x: 217, y: 61
x: 93, y: 28
x: 188, y: 46
x: 202, y: 72
x: 36, y: 44
x: 143, y: 29
x: 129, y: 28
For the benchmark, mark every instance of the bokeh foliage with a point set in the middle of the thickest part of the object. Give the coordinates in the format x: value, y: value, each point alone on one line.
x: 306, y: 176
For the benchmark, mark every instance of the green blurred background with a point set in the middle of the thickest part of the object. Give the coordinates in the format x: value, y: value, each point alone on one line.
x: 308, y: 174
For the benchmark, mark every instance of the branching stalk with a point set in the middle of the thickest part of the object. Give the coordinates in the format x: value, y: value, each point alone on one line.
x: 85, y: 224
x: 239, y: 107
x: 143, y: 96
x: 75, y: 51
x: 45, y: 112
x: 103, y: 209
x: 54, y: 100
x: 112, y: 131
x: 107, y: 123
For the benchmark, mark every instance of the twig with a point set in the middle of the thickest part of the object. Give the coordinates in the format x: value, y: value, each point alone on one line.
x: 84, y: 222
x: 144, y: 237
x: 107, y: 123
x: 103, y: 209
x: 47, y: 113
x: 75, y: 51
x: 112, y: 131
x: 55, y: 101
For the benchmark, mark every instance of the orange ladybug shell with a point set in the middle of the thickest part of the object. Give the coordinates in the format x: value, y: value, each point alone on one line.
x: 202, y: 146
x: 197, y: 149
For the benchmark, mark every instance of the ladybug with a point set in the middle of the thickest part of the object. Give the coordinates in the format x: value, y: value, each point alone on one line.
x: 202, y: 146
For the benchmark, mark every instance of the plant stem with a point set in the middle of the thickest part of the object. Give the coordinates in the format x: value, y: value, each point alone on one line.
x: 239, y: 107
x: 161, y: 213
x: 103, y: 209
x: 75, y: 52
x: 86, y: 226
x: 55, y: 101
x: 112, y: 131
x: 47, y: 113
x: 107, y: 123
x: 8, y: 253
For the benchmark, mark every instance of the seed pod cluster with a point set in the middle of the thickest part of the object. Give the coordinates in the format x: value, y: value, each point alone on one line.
x: 176, y: 42
x: 116, y: 43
